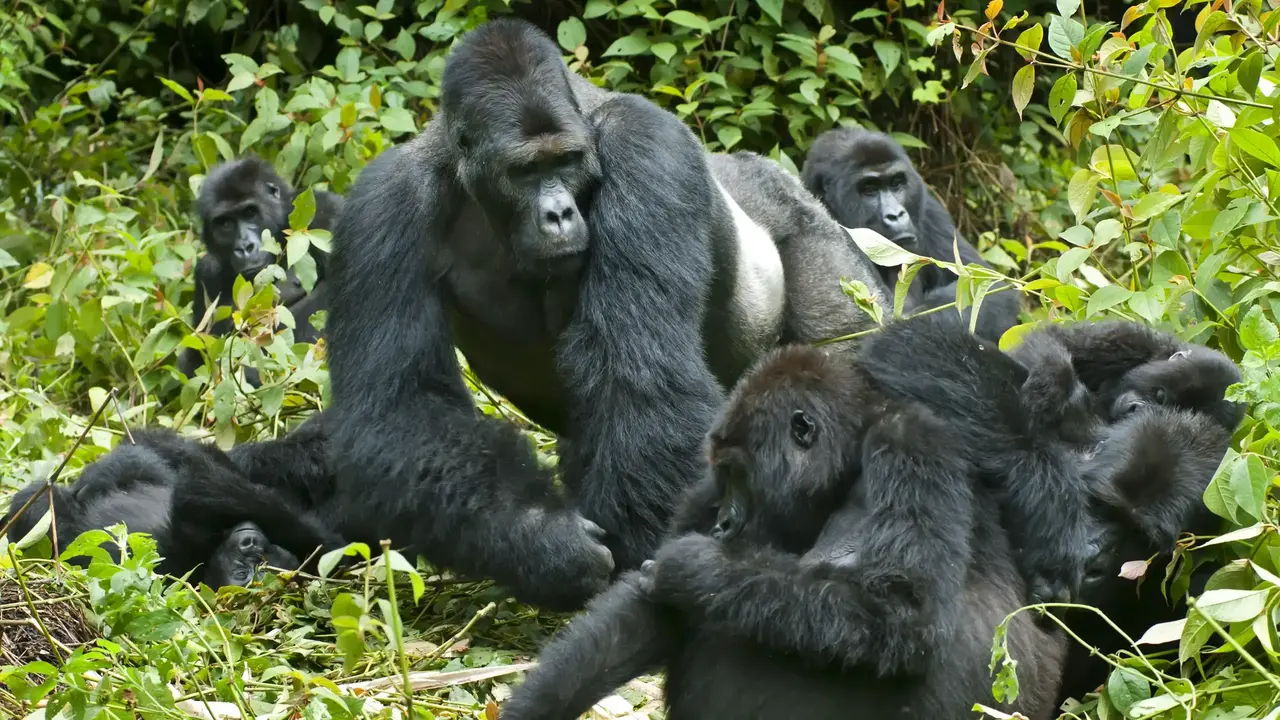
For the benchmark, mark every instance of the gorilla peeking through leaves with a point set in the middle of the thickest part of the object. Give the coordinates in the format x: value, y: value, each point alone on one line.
x: 841, y: 562
x: 866, y: 180
x: 239, y: 200
x: 577, y: 246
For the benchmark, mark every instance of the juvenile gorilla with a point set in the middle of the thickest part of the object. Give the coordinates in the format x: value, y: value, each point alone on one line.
x: 866, y: 180
x: 238, y: 200
x: 843, y: 564
x: 597, y: 270
x: 136, y: 483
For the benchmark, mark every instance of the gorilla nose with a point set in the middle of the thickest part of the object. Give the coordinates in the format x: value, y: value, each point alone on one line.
x: 558, y: 214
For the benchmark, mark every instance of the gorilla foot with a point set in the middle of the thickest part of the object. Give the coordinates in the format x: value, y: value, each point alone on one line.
x: 570, y: 562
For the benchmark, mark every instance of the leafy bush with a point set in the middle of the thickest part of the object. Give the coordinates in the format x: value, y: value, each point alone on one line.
x: 1126, y: 178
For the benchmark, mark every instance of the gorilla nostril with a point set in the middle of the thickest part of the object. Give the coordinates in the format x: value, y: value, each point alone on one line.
x: 567, y: 214
x: 552, y: 217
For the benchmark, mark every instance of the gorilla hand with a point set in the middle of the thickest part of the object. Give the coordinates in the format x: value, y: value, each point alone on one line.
x: 685, y: 570
x: 577, y: 564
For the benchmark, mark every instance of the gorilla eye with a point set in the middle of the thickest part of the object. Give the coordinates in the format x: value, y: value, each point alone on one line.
x: 867, y: 188
x: 273, y: 190
x: 802, y: 428
x: 1161, y: 396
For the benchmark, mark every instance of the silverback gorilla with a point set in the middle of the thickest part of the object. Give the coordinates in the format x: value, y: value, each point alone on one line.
x: 842, y: 561
x: 240, y: 199
x: 597, y: 270
x: 866, y: 180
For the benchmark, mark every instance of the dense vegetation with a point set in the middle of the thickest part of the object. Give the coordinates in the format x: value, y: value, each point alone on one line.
x: 1106, y: 169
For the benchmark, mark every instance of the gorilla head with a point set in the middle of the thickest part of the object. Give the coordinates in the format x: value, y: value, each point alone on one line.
x: 867, y: 181
x: 787, y: 448
x: 1193, y: 378
x: 240, y: 199
x: 526, y: 153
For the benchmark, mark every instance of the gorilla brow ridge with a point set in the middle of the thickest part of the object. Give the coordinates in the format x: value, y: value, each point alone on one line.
x: 232, y: 184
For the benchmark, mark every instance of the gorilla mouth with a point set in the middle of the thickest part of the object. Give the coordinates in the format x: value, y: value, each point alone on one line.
x: 904, y: 240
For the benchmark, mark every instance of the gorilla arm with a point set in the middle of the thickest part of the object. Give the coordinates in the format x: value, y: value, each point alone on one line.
x: 413, y: 459
x: 641, y: 394
x: 622, y: 635
x: 881, y: 587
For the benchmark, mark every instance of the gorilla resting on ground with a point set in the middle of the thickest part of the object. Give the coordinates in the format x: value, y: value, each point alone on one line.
x: 238, y: 200
x: 148, y: 485
x: 844, y: 564
x: 598, y: 271
x: 866, y: 180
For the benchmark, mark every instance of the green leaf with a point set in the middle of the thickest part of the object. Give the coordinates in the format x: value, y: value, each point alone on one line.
x: 1024, y: 81
x: 1061, y: 96
x: 1250, y: 71
x: 253, y: 133
x: 1228, y: 605
x: 1067, y: 8
x: 157, y: 154
x: 1153, y: 204
x: 405, y: 44
x: 571, y: 33
x: 1166, y: 230
x: 880, y: 249
x: 728, y: 135
x: 889, y: 53
x: 1081, y: 191
x: 348, y: 63
x: 177, y: 89
x: 772, y: 8
x: 398, y: 120
x: 1257, y: 332
x: 1070, y: 261
x: 1029, y: 41
x: 297, y: 246
x: 1113, y: 161
x: 240, y: 81
x: 1126, y: 687
x: 1256, y: 144
x: 632, y: 44
x: 687, y: 19
x: 1106, y: 297
x: 1106, y: 231
x: 663, y: 51
x: 304, y: 210
x: 1064, y: 33
x: 372, y: 31
x: 1077, y: 235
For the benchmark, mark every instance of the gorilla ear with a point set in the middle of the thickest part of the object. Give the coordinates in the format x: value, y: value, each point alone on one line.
x: 803, y: 429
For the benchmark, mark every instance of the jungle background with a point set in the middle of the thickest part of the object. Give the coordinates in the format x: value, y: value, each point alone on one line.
x: 1111, y: 160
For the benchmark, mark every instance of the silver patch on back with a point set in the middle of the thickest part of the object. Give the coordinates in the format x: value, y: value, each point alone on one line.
x: 760, y: 290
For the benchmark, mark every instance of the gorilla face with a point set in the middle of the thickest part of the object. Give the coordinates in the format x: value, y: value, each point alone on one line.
x: 784, y: 452
x: 1191, y: 379
x: 238, y: 201
x: 530, y: 165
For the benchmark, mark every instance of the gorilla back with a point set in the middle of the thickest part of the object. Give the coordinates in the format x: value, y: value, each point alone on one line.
x: 575, y: 246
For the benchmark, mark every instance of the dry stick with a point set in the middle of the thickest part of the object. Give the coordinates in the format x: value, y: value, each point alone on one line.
x: 444, y: 647
x: 120, y: 414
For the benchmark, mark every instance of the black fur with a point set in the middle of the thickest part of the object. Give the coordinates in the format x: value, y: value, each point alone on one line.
x: 866, y: 180
x: 568, y: 240
x: 238, y: 200
x: 136, y: 484
x: 854, y: 569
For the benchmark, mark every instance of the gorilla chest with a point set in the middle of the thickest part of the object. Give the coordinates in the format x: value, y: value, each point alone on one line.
x: 508, y: 326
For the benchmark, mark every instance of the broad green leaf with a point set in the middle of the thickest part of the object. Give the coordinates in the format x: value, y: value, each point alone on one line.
x: 297, y: 246
x: 632, y: 44
x: 687, y: 19
x: 772, y: 8
x: 1067, y: 8
x: 1113, y: 161
x: 1250, y: 71
x: 405, y: 44
x: 177, y: 89
x: 889, y: 53
x: 1081, y: 192
x: 1029, y: 42
x: 1107, y: 297
x: 728, y: 135
x: 1162, y: 633
x: 1064, y: 33
x: 1126, y: 687
x: 1077, y: 235
x: 348, y: 63
x: 304, y: 210
x: 571, y: 33
x: 1070, y: 261
x: 1249, y: 481
x: 664, y: 51
x: 1232, y: 606
x: 39, y: 276
x: 1153, y: 204
x: 1106, y: 231
x: 1219, y: 114
x: 1166, y: 229
x: 1024, y: 81
x: 880, y: 249
x: 1257, y: 333
x: 398, y: 120
x: 1257, y: 145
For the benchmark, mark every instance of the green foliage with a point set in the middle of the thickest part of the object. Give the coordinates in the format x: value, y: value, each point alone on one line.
x: 1127, y: 178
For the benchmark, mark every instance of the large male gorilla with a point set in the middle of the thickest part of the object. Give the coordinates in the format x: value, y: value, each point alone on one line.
x: 579, y: 249
x: 841, y: 562
x: 866, y: 180
x: 238, y: 200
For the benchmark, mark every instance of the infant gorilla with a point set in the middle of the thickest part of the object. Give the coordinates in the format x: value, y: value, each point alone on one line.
x: 841, y: 562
